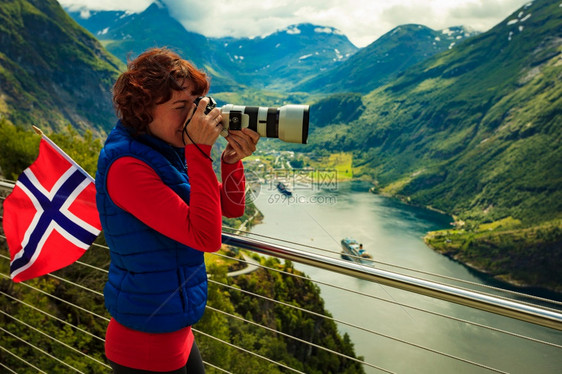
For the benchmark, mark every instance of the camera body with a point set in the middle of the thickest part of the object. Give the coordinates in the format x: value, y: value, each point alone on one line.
x: 210, y: 106
x: 288, y: 123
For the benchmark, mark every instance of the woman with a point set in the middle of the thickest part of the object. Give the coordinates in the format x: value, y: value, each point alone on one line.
x: 161, y: 208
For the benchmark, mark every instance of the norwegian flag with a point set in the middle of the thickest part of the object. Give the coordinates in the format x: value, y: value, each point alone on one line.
x: 50, y: 217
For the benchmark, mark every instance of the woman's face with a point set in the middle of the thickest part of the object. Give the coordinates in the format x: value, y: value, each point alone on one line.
x: 170, y: 116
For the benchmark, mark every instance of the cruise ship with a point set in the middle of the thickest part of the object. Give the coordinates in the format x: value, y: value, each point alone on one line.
x: 353, y: 251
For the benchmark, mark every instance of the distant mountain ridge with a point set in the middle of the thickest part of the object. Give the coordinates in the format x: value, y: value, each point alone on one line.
x: 126, y: 35
x: 304, y: 57
x: 279, y: 60
x: 285, y: 56
x: 63, y: 77
x: 381, y: 61
x: 135, y: 32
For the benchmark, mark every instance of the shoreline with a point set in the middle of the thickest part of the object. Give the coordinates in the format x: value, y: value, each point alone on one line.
x: 503, y: 281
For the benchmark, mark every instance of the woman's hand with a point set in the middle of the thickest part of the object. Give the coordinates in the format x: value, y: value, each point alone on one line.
x: 241, y: 144
x: 203, y: 128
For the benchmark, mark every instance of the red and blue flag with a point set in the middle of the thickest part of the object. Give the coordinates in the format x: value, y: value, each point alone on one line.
x: 50, y: 217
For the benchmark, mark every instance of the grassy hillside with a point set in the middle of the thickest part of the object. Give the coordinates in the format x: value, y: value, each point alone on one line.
x: 476, y: 130
x: 53, y: 72
x: 524, y: 255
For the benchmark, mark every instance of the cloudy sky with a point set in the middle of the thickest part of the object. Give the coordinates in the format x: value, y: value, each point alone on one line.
x: 362, y: 21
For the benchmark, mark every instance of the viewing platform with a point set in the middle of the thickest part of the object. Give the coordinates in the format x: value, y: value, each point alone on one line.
x: 27, y: 346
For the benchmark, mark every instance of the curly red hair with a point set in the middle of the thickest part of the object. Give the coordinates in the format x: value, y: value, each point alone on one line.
x: 149, y: 81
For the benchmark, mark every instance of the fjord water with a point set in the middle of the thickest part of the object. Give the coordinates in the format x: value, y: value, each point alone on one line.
x: 392, y: 233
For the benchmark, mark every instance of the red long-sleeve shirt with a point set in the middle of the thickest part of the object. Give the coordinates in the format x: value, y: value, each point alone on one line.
x: 136, y: 188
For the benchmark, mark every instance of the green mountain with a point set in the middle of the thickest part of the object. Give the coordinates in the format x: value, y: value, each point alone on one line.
x: 476, y: 132
x: 52, y: 72
x: 381, y: 61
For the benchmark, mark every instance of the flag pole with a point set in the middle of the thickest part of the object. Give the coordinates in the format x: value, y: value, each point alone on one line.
x: 63, y: 153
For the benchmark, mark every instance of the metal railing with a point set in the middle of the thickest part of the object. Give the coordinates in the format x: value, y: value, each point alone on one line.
x: 549, y: 318
x: 489, y: 303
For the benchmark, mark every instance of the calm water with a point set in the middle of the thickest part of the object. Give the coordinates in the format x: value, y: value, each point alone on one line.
x: 392, y: 232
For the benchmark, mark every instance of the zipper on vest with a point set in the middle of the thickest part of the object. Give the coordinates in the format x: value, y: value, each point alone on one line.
x: 181, y: 282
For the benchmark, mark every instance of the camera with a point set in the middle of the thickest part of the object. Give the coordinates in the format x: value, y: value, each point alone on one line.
x: 288, y: 122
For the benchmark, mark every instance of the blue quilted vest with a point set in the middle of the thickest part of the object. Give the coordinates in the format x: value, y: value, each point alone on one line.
x: 155, y: 283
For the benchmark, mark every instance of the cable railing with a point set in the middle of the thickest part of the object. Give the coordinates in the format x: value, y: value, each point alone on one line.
x: 343, y: 323
x: 11, y: 294
x: 395, y: 267
x: 502, y: 306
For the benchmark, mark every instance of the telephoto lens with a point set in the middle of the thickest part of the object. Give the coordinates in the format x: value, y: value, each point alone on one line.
x: 288, y: 123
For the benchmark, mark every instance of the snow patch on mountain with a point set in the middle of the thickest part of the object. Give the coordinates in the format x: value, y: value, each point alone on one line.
x: 327, y: 30
x: 159, y: 4
x: 338, y: 54
x: 292, y: 30
x: 521, y: 17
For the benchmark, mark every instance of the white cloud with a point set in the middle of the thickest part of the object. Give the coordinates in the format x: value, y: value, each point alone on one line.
x: 362, y: 21
x: 133, y: 5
